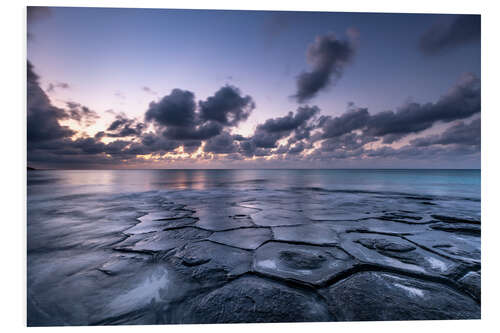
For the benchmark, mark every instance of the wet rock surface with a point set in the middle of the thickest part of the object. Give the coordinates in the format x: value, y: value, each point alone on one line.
x: 382, y: 296
x: 254, y: 300
x: 256, y: 256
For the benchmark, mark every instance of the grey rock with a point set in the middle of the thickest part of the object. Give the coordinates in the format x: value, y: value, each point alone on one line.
x: 313, y: 233
x: 163, y: 240
x: 381, y: 296
x: 279, y: 217
x: 209, y: 263
x: 465, y: 248
x: 244, y: 238
x: 395, y: 253
x: 313, y: 265
x: 253, y: 300
x: 472, y: 283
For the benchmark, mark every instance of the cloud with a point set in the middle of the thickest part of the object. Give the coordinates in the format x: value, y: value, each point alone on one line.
x: 227, y: 106
x: 221, y: 144
x: 52, y: 86
x: 81, y: 113
x: 148, y: 90
x: 346, y: 142
x: 353, y: 119
x: 462, y: 101
x: 446, y: 35
x: 123, y: 126
x: 328, y: 57
x: 201, y: 132
x: 33, y: 15
x: 460, y: 134
x: 267, y: 134
x: 176, y: 109
x: 177, y: 117
x: 42, y: 117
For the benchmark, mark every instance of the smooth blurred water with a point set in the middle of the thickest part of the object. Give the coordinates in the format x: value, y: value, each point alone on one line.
x: 454, y: 183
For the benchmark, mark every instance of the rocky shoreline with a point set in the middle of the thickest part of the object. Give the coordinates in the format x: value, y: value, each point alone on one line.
x: 257, y: 260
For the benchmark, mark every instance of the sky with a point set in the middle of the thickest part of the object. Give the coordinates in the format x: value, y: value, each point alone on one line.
x: 157, y: 88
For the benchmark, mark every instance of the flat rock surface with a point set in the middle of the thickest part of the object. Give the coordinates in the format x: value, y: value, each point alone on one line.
x: 253, y: 300
x: 454, y: 245
x: 395, y: 253
x: 382, y: 296
x: 244, y: 238
x: 314, y: 265
x: 312, y: 233
x: 253, y: 254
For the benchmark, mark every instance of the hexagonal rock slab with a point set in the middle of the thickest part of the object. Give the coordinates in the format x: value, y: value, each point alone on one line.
x: 159, y: 221
x: 208, y: 263
x: 279, y: 217
x: 223, y: 217
x: 396, y: 253
x: 314, y: 265
x: 244, y: 238
x: 162, y: 240
x: 458, y: 246
x: 383, y: 296
x: 313, y: 233
x: 252, y: 300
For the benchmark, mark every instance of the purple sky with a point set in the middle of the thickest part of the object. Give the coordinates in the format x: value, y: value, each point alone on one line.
x: 157, y: 88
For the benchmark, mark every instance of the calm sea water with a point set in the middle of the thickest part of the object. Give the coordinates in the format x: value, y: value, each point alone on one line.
x: 455, y: 183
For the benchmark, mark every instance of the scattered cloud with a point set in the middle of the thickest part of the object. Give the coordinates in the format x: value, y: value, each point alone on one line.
x: 447, y: 34
x: 52, y: 86
x: 328, y: 57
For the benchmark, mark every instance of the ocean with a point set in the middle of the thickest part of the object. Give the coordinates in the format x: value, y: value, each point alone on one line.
x: 165, y: 246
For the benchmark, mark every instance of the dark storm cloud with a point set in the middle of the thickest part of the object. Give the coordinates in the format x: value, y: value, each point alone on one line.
x: 227, y: 106
x: 123, y: 126
x: 460, y: 134
x: 462, y: 101
x: 81, y: 114
x: 176, y: 109
x: 328, y: 57
x: 42, y: 117
x: 221, y: 144
x: 445, y: 35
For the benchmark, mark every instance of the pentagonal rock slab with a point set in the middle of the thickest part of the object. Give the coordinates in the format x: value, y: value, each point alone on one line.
x: 303, y: 263
x: 210, y: 263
